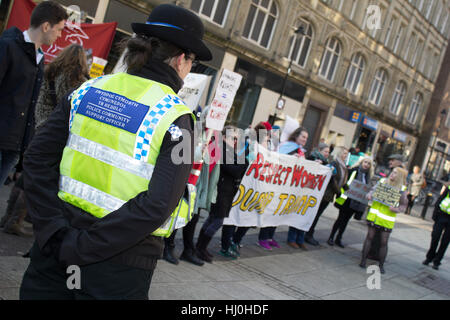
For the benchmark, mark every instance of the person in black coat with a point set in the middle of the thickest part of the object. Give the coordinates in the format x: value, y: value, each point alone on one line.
x: 21, y: 72
x: 361, y: 170
x: 440, y: 236
x: 333, y: 188
x: 231, y: 174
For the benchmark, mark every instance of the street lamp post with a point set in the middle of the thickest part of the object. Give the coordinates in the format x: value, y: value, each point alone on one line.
x: 443, y: 113
x: 280, y: 102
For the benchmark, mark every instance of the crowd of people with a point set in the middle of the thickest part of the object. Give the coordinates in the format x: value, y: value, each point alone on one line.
x: 107, y: 197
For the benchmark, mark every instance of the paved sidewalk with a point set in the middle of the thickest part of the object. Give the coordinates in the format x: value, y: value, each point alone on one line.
x: 323, y: 272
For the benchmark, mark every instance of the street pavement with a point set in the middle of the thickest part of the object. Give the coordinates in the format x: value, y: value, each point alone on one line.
x: 321, y: 273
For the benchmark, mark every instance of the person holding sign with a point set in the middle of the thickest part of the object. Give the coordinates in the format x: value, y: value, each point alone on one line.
x: 382, y: 216
x: 294, y: 146
x: 360, y: 172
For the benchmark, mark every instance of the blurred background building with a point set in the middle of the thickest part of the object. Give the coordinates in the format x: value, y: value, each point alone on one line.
x: 363, y: 73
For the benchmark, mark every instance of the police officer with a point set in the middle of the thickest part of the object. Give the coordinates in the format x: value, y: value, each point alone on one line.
x: 100, y: 180
x: 441, y: 227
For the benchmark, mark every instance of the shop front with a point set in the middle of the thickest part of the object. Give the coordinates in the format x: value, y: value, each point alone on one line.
x: 393, y: 141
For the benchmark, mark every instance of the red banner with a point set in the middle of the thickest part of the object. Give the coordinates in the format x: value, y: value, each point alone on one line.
x: 97, y: 37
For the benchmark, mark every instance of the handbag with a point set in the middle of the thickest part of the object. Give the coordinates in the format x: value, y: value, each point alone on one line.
x: 424, y: 184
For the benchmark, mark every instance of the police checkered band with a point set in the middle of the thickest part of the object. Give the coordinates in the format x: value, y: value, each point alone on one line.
x: 79, y: 94
x: 175, y: 132
x: 145, y: 133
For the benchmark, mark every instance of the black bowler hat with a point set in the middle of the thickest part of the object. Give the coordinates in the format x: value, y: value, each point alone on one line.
x: 178, y: 26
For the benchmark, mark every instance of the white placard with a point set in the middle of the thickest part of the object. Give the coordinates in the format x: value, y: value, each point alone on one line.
x: 279, y: 189
x: 193, y: 89
x: 290, y: 124
x: 223, y: 100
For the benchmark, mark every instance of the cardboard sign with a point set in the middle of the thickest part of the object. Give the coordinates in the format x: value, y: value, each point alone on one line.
x: 357, y: 191
x: 387, y: 195
x: 193, y: 89
x: 98, y: 65
x: 223, y: 100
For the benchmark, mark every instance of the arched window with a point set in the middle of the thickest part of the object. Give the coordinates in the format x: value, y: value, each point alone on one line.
x: 301, y: 44
x: 261, y: 21
x: 212, y: 10
x: 397, y: 98
x: 354, y: 73
x: 330, y: 59
x: 416, y: 104
x: 377, y: 89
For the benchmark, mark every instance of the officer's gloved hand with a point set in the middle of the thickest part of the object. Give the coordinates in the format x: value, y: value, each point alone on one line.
x: 53, y: 245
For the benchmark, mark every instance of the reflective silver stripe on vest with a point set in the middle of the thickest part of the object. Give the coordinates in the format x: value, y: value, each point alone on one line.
x: 381, y: 215
x: 90, y: 194
x: 110, y: 156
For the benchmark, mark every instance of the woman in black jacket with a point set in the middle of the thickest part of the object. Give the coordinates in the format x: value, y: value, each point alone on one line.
x: 361, y: 172
x: 230, y: 177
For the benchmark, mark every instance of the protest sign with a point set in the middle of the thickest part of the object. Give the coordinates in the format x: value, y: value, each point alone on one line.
x: 97, y: 67
x: 279, y: 189
x: 357, y: 191
x: 386, y: 195
x: 193, y: 89
x: 223, y: 99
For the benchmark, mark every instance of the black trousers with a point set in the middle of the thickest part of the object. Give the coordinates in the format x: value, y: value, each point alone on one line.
x: 188, y: 235
x: 323, y: 205
x: 440, y: 233
x: 46, y: 279
x: 345, y: 214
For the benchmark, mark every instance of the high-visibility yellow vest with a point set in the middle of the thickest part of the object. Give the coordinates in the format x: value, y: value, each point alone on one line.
x: 380, y: 213
x: 343, y: 197
x: 117, y: 125
x: 445, y: 203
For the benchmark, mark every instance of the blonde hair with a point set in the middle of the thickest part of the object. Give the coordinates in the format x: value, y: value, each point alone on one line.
x: 400, y: 180
x: 360, y: 161
x: 338, y: 151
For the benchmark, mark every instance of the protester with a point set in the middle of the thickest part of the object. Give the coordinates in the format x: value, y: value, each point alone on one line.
x: 394, y: 160
x: 67, y: 71
x: 361, y: 171
x: 440, y: 236
x: 321, y: 154
x: 103, y: 204
x: 416, y: 181
x: 265, y: 138
x: 293, y: 146
x: 382, y: 218
x: 337, y: 181
x: 21, y: 69
x: 231, y: 173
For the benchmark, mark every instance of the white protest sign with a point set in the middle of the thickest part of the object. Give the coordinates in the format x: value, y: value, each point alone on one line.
x: 223, y: 100
x: 290, y: 124
x: 193, y: 89
x: 279, y: 189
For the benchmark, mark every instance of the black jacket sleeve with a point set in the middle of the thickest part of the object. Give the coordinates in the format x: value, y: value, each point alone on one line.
x: 120, y: 229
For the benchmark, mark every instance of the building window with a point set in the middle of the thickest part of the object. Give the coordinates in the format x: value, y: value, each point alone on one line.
x: 330, y: 59
x: 438, y: 14
x: 420, y: 5
x: 417, y: 53
x: 408, y: 48
x: 398, y: 36
x: 341, y: 4
x: 444, y: 23
x: 354, y: 73
x: 353, y: 10
x: 425, y: 63
x: 213, y: 10
x: 397, y: 98
x: 430, y: 6
x: 301, y: 44
x: 261, y: 20
x: 377, y: 89
x: 389, y: 31
x: 416, y: 104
